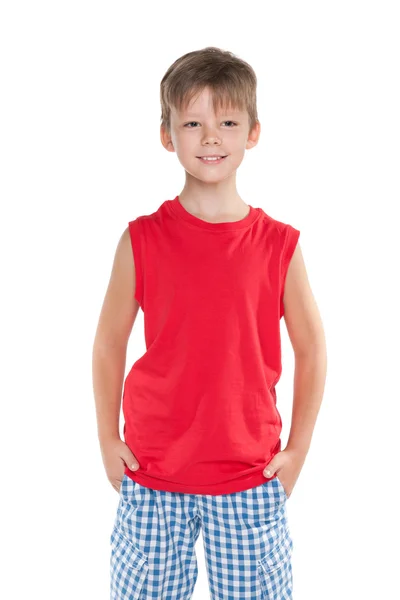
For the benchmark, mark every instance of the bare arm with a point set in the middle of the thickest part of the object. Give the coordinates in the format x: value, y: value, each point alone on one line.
x: 115, y: 324
x: 307, y: 336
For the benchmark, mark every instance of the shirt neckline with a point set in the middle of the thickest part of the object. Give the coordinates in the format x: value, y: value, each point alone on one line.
x: 181, y: 212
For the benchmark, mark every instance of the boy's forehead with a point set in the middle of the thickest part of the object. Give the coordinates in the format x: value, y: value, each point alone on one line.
x: 219, y: 112
x: 196, y: 112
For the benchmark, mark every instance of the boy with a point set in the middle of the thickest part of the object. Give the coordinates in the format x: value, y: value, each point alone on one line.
x: 213, y: 277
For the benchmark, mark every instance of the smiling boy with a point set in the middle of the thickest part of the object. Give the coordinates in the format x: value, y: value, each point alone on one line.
x: 213, y: 276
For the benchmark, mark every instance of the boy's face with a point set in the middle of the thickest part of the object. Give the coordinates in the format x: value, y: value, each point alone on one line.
x: 197, y: 131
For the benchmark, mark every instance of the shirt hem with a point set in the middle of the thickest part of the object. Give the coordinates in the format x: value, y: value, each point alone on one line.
x: 214, y: 489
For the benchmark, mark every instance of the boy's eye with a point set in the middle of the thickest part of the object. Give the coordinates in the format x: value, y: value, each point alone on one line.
x: 191, y: 122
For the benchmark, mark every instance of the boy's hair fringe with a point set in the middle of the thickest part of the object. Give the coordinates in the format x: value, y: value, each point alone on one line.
x: 232, y: 82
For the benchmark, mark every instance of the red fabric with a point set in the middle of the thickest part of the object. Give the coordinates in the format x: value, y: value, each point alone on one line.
x: 200, y: 404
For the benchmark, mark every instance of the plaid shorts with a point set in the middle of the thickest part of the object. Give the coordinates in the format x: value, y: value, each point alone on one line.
x: 247, y: 544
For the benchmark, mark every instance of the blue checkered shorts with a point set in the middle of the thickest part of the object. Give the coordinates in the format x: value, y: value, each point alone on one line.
x: 247, y: 544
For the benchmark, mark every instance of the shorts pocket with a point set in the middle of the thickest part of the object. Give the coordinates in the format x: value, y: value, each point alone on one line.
x: 128, y: 490
x: 122, y: 484
x: 275, y: 570
x: 282, y: 488
x: 128, y: 568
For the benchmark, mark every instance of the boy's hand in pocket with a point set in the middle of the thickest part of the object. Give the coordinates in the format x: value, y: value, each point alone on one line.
x: 287, y: 464
x: 116, y: 455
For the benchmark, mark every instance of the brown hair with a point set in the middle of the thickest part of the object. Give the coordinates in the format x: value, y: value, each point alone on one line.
x: 232, y: 81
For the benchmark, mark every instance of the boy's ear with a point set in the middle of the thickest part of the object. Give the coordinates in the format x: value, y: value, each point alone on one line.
x: 254, y: 136
x: 166, y: 140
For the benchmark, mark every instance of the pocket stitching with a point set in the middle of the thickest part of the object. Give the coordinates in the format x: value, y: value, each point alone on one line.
x: 129, y: 567
x: 129, y: 554
x: 279, y: 554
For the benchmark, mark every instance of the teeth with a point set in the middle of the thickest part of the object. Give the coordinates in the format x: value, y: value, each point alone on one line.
x: 214, y: 158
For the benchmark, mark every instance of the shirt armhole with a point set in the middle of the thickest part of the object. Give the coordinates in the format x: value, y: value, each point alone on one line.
x: 289, y: 244
x: 134, y: 232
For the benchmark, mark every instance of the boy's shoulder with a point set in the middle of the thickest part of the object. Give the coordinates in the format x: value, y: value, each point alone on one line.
x: 279, y: 226
x: 153, y: 216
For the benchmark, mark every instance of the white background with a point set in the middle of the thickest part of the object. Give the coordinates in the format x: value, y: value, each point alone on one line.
x: 81, y: 156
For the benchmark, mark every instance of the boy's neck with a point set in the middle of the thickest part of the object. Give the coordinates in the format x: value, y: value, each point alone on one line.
x: 214, y: 208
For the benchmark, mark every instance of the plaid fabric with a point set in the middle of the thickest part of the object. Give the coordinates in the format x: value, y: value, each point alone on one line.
x: 247, y: 544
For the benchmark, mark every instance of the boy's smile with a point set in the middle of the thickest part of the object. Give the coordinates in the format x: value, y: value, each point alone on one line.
x: 212, y: 159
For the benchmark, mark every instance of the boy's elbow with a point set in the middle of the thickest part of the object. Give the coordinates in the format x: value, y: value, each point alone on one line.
x: 312, y: 345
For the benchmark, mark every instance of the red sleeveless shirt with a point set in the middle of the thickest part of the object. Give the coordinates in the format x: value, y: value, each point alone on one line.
x: 200, y: 404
